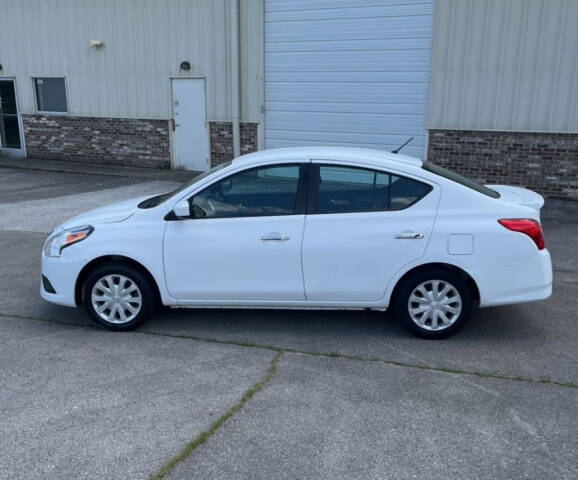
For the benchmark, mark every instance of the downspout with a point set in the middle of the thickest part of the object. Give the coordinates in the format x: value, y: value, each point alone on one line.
x: 236, y: 78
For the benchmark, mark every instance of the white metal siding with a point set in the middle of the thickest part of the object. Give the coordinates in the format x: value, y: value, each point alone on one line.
x: 505, y: 65
x: 342, y: 72
x: 144, y: 43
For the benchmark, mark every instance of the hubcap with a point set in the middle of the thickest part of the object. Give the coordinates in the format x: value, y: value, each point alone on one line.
x: 434, y: 305
x: 116, y: 299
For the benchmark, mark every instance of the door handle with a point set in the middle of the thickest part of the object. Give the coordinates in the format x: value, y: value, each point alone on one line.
x: 274, y: 236
x: 409, y: 236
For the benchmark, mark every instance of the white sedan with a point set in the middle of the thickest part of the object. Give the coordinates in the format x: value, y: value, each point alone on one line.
x: 335, y: 228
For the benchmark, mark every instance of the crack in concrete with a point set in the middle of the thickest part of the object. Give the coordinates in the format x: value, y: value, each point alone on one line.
x: 206, y: 434
x: 359, y: 358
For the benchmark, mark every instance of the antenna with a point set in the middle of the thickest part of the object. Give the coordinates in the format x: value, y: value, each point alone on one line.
x: 397, y: 150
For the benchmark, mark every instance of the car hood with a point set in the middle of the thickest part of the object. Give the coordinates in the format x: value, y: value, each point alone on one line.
x: 115, y: 212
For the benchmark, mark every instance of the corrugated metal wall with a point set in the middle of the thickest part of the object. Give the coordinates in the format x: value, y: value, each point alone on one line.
x: 144, y: 43
x: 505, y: 65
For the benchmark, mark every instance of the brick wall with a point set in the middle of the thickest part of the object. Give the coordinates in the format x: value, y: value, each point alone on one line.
x: 544, y: 162
x: 222, y: 140
x: 118, y: 141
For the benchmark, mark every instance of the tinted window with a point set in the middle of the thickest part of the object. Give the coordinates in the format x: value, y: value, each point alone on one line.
x: 350, y: 189
x: 254, y: 192
x: 50, y: 95
x: 456, y: 177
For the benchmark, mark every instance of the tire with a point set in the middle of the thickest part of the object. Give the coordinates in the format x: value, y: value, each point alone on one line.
x: 430, y: 315
x: 105, y: 302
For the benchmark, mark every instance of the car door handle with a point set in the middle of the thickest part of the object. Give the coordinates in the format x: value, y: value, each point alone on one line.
x: 409, y: 236
x: 274, y: 236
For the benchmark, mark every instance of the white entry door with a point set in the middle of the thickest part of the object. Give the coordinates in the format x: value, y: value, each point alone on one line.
x: 190, y: 133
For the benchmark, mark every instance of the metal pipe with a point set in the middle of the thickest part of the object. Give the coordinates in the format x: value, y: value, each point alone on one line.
x: 236, y: 78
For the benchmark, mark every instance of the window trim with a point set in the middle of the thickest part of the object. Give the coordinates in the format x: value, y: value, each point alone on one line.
x: 315, y: 182
x: 301, y: 194
x: 48, y: 112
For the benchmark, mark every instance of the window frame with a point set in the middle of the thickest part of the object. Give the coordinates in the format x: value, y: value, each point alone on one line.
x: 299, y: 207
x: 315, y: 182
x: 52, y: 77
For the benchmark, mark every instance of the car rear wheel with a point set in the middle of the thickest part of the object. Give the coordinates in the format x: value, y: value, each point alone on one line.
x: 434, y: 303
x: 118, y: 296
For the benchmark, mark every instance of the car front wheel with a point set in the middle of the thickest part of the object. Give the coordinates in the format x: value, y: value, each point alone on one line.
x: 118, y: 296
x: 434, y: 304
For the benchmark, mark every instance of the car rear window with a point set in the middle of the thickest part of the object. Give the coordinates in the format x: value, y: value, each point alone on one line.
x: 456, y: 177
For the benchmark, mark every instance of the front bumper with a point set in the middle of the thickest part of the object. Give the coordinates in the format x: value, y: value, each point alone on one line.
x: 62, y: 273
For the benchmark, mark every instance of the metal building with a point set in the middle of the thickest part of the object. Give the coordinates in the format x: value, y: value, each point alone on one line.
x: 488, y: 87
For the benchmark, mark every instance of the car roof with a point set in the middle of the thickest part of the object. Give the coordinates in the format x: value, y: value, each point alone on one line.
x: 365, y: 155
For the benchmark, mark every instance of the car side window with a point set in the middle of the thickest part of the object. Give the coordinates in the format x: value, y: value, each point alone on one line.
x: 261, y: 191
x: 353, y: 189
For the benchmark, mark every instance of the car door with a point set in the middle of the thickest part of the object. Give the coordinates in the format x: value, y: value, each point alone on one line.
x: 243, y: 242
x: 362, y: 226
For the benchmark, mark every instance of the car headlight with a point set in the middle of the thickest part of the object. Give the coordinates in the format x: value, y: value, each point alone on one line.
x: 63, y: 238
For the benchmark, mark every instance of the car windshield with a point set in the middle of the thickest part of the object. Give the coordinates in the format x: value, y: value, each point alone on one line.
x: 456, y: 177
x: 158, y: 199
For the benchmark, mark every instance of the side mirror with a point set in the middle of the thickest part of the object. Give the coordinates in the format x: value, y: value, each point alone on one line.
x: 182, y: 210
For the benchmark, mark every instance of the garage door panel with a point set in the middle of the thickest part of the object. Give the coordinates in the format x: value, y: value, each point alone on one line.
x: 337, y: 73
x: 342, y: 107
x: 359, y: 60
x: 360, y: 93
x: 349, y: 45
x: 351, y: 29
x: 288, y: 5
x: 358, y: 77
x: 413, y: 149
x: 344, y: 123
x: 336, y: 13
x: 361, y: 138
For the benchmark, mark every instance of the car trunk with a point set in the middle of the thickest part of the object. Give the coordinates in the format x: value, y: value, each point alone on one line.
x: 519, y: 196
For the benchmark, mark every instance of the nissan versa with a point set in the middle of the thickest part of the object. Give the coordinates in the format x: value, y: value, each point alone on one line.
x: 307, y: 228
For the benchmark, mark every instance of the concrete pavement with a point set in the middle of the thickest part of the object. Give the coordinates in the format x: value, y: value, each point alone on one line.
x: 81, y: 403
x: 340, y: 419
x: 317, y: 417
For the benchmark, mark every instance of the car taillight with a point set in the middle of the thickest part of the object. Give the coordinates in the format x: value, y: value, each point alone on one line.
x: 528, y: 226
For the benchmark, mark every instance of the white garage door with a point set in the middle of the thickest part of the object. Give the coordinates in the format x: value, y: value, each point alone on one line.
x: 347, y: 72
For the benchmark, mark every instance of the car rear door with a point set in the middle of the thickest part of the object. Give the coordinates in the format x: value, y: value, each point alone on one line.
x: 362, y: 226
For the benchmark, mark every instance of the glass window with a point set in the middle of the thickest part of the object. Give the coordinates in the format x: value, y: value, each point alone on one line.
x: 256, y: 192
x: 9, y: 127
x: 50, y: 95
x: 456, y: 177
x: 404, y: 192
x: 351, y: 189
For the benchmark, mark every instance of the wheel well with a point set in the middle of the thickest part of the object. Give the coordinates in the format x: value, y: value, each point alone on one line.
x: 446, y: 266
x: 107, y: 259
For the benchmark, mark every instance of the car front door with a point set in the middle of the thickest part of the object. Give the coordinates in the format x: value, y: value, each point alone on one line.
x: 362, y: 226
x: 243, y: 242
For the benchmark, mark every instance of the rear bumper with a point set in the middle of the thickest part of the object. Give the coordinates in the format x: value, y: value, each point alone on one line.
x: 527, y: 282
